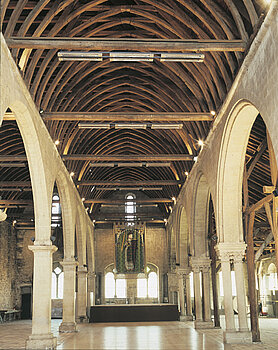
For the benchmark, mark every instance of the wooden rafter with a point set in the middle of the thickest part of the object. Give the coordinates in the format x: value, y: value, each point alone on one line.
x: 127, y: 116
x: 126, y: 44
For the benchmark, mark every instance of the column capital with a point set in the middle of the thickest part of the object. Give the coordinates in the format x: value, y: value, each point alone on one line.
x: 183, y: 271
x: 82, y: 269
x: 42, y: 248
x: 69, y: 264
x: 91, y: 274
x: 230, y: 251
x: 200, y: 263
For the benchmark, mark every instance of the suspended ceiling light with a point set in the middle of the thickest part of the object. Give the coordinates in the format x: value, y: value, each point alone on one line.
x: 130, y: 56
x: 94, y: 126
x: 155, y: 126
x: 130, y: 126
x: 129, y: 165
x: 129, y: 188
x: 182, y: 57
x: 166, y: 126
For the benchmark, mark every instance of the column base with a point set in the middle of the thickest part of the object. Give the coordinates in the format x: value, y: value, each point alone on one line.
x: 41, y: 341
x: 234, y: 337
x: 82, y: 319
x: 203, y: 324
x: 68, y: 327
x: 186, y: 318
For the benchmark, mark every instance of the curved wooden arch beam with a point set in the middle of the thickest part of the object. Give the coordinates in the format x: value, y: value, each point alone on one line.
x: 132, y: 88
x: 237, y: 18
x: 54, y: 11
x: 152, y: 76
x: 211, y: 26
x: 124, y: 82
x: 159, y: 105
x: 14, y: 17
x: 251, y: 11
x: 4, y: 6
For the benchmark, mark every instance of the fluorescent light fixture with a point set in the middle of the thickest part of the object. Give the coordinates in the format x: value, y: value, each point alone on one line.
x: 130, y: 126
x: 131, y: 56
x: 79, y: 56
x: 94, y: 125
x: 166, y: 126
x: 130, y: 165
x: 157, y: 165
x: 102, y: 165
x: 12, y: 165
x: 182, y: 57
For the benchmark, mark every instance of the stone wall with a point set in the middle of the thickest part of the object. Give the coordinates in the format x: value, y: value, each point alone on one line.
x: 8, y: 271
x: 155, y: 249
x: 16, y: 264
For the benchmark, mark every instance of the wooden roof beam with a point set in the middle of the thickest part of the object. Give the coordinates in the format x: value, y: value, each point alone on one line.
x: 122, y: 201
x: 108, y: 44
x: 129, y: 183
x: 126, y: 116
x: 128, y: 157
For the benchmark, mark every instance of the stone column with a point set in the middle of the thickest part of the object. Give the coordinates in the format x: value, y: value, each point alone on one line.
x: 197, y: 294
x: 181, y: 293
x: 91, y: 280
x: 189, y: 315
x: 82, y: 294
x: 69, y: 325
x: 233, y: 252
x: 41, y: 337
x: 241, y: 300
x: 206, y: 294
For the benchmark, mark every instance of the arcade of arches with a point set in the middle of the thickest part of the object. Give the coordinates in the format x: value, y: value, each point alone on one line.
x: 144, y: 173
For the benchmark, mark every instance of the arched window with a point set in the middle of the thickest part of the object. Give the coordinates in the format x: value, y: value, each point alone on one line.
x: 114, y: 287
x: 55, y: 211
x: 57, y: 286
x: 147, y: 287
x: 109, y: 285
x: 130, y: 207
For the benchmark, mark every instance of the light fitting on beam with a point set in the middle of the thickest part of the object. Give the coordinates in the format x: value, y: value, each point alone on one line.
x: 166, y: 126
x: 79, y: 56
x: 129, y: 188
x: 94, y: 125
x: 130, y: 126
x: 182, y: 57
x: 12, y: 165
x: 129, y: 165
x: 155, y: 126
x: 129, y: 56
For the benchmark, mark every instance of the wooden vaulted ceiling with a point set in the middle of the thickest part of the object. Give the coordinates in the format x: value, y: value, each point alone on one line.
x: 125, y: 87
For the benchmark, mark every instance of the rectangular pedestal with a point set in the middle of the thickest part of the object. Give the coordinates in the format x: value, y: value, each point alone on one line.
x: 134, y: 313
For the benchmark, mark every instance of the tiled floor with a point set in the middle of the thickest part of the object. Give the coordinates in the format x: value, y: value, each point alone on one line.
x: 154, y: 335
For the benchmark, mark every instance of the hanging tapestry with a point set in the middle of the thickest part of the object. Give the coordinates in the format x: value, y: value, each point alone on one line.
x: 129, y: 244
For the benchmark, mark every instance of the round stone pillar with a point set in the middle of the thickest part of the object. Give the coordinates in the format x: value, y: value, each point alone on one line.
x: 41, y: 337
x: 241, y: 300
x: 69, y: 325
x: 181, y: 293
x: 188, y: 297
x: 197, y: 293
x: 82, y: 294
x: 206, y: 294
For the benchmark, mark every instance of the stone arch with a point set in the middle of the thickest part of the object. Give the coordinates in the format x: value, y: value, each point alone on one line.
x: 200, y: 218
x: 230, y: 171
x: 42, y: 179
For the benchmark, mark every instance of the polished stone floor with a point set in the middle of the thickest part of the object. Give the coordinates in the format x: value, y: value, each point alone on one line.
x: 143, y: 335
